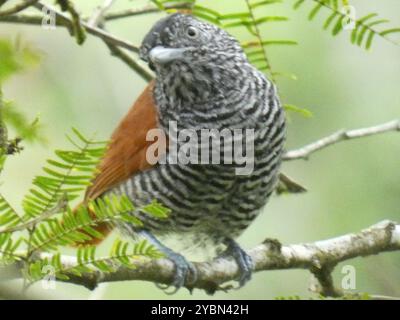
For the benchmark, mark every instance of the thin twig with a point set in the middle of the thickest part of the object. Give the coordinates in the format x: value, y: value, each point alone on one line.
x: 339, y: 136
x: 145, y: 10
x: 30, y: 18
x: 107, y: 37
x: 18, y: 8
x: 77, y: 29
x: 111, y: 41
x: 99, y: 13
x: 132, y: 63
x: 61, y: 205
x: 97, y: 20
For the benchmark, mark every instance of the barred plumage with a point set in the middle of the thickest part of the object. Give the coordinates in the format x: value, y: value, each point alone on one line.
x: 211, y: 201
x: 204, y: 81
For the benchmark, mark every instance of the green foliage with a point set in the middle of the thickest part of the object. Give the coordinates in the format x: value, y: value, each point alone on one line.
x: 301, y: 111
x: 65, y: 176
x: 365, y: 27
x: 156, y: 209
x: 30, y: 131
x: 8, y: 248
x: 122, y: 253
x: 50, y: 223
x: 74, y: 227
x: 16, y: 57
x: 8, y: 216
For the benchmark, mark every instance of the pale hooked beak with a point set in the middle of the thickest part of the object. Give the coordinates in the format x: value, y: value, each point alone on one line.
x: 161, y: 55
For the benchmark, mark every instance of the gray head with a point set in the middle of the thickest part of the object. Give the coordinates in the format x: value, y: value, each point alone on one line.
x: 194, y: 61
x: 181, y: 39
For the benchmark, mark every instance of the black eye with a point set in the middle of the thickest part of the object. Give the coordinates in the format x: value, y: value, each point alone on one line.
x: 151, y: 66
x: 192, y: 32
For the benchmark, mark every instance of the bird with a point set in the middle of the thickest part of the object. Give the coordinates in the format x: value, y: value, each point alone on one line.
x: 203, y: 81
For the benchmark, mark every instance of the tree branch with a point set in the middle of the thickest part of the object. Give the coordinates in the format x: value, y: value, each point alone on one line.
x: 105, y: 36
x: 97, y: 20
x: 65, y: 21
x: 145, y: 10
x: 113, y: 43
x: 339, y: 136
x: 59, y: 207
x: 17, y: 8
x: 31, y: 19
x: 97, y: 17
x: 320, y: 258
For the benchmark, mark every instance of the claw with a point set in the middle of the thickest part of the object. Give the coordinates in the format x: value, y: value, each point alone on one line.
x: 244, y: 261
x: 185, y: 272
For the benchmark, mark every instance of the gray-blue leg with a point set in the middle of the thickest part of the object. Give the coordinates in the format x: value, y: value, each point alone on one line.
x: 243, y: 260
x: 183, y: 268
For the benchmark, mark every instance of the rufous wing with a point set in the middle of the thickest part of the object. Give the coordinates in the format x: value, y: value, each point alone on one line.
x: 126, y: 153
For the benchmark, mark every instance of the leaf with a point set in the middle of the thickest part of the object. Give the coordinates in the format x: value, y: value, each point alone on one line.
x: 389, y: 31
x: 30, y: 131
x: 156, y: 210
x: 8, y: 216
x: 364, y: 26
x: 63, y: 178
x: 302, y: 111
x: 15, y: 58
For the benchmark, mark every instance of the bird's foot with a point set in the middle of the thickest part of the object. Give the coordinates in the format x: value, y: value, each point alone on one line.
x: 244, y: 261
x: 185, y: 272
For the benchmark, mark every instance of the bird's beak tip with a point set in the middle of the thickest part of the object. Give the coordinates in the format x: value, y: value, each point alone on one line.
x: 162, y: 55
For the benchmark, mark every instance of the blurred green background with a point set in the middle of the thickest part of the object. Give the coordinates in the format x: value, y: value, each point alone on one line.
x: 351, y: 185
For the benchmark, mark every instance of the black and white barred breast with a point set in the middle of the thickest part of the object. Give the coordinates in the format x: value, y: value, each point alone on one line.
x: 211, y: 201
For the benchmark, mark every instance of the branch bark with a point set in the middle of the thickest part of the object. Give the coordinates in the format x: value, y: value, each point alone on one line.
x: 339, y: 136
x: 105, y: 36
x: 145, y: 10
x: 320, y: 258
x: 115, y: 44
x: 17, y: 8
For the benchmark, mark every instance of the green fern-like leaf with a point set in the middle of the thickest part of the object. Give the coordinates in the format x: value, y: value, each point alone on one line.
x: 75, y: 227
x: 65, y: 176
x: 301, y: 111
x: 8, y: 216
x: 8, y: 248
x: 122, y: 253
x: 364, y: 31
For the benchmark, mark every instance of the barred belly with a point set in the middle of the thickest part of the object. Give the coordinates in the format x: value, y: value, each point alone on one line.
x: 210, y: 202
